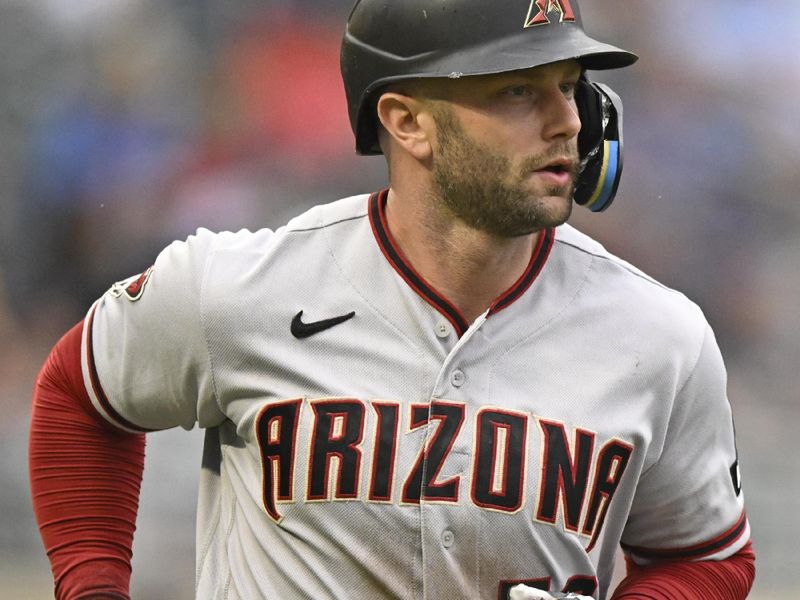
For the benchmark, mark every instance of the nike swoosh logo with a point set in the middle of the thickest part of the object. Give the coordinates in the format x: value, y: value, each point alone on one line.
x: 302, y: 330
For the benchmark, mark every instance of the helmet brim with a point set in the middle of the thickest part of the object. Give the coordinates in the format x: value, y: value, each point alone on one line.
x: 520, y: 52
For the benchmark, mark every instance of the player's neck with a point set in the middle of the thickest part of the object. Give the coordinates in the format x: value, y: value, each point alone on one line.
x: 468, y: 267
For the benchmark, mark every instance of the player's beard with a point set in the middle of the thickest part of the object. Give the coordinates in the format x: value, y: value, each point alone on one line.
x: 483, y: 189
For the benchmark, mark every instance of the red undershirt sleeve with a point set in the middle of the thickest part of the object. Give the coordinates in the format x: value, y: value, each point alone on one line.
x: 85, y: 478
x: 729, y: 579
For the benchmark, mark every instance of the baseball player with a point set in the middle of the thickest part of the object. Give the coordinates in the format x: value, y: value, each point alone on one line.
x: 437, y: 390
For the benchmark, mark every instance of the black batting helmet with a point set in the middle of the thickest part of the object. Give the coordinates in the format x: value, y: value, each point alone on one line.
x: 393, y: 40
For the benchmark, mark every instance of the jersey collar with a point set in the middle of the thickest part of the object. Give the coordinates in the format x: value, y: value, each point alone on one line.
x: 377, y: 219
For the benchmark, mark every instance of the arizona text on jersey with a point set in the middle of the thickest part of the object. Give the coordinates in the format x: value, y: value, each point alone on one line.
x: 402, y: 452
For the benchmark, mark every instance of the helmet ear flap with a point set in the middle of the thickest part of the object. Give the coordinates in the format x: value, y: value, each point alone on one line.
x: 599, y: 145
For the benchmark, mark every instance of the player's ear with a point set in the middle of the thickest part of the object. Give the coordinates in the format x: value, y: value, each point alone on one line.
x: 407, y: 123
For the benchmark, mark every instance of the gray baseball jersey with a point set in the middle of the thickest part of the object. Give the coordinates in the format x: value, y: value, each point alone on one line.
x: 376, y: 445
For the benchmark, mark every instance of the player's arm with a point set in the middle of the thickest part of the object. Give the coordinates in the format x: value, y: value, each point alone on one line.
x: 688, y: 536
x: 139, y: 362
x: 726, y: 579
x: 85, y: 478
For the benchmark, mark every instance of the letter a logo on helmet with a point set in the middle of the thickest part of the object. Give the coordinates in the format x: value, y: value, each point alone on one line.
x: 545, y: 7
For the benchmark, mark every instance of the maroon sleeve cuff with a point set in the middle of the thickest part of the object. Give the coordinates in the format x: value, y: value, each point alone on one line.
x: 97, y: 579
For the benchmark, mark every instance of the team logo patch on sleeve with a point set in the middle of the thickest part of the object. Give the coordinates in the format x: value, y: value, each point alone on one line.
x: 132, y: 288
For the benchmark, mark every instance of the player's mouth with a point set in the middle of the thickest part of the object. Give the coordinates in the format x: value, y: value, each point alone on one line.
x: 558, y: 172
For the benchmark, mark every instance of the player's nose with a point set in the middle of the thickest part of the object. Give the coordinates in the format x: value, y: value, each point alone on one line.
x: 561, y: 120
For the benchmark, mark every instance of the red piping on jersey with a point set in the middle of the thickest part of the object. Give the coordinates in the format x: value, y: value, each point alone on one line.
x: 377, y: 218
x: 697, y: 551
x: 387, y: 244
x: 540, y: 254
x: 98, y: 388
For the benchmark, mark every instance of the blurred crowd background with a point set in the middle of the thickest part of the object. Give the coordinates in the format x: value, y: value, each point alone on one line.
x: 125, y: 124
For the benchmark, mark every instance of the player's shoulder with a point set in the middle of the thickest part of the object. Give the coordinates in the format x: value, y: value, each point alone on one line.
x: 205, y: 242
x: 305, y: 236
x: 223, y: 259
x: 571, y: 240
x: 323, y: 216
x: 630, y: 290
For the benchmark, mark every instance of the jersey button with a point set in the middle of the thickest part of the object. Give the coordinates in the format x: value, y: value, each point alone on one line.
x: 457, y: 378
x: 443, y: 329
x: 448, y: 537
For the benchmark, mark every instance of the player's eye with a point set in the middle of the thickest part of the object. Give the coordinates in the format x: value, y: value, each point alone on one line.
x: 518, y: 91
x: 568, y: 88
